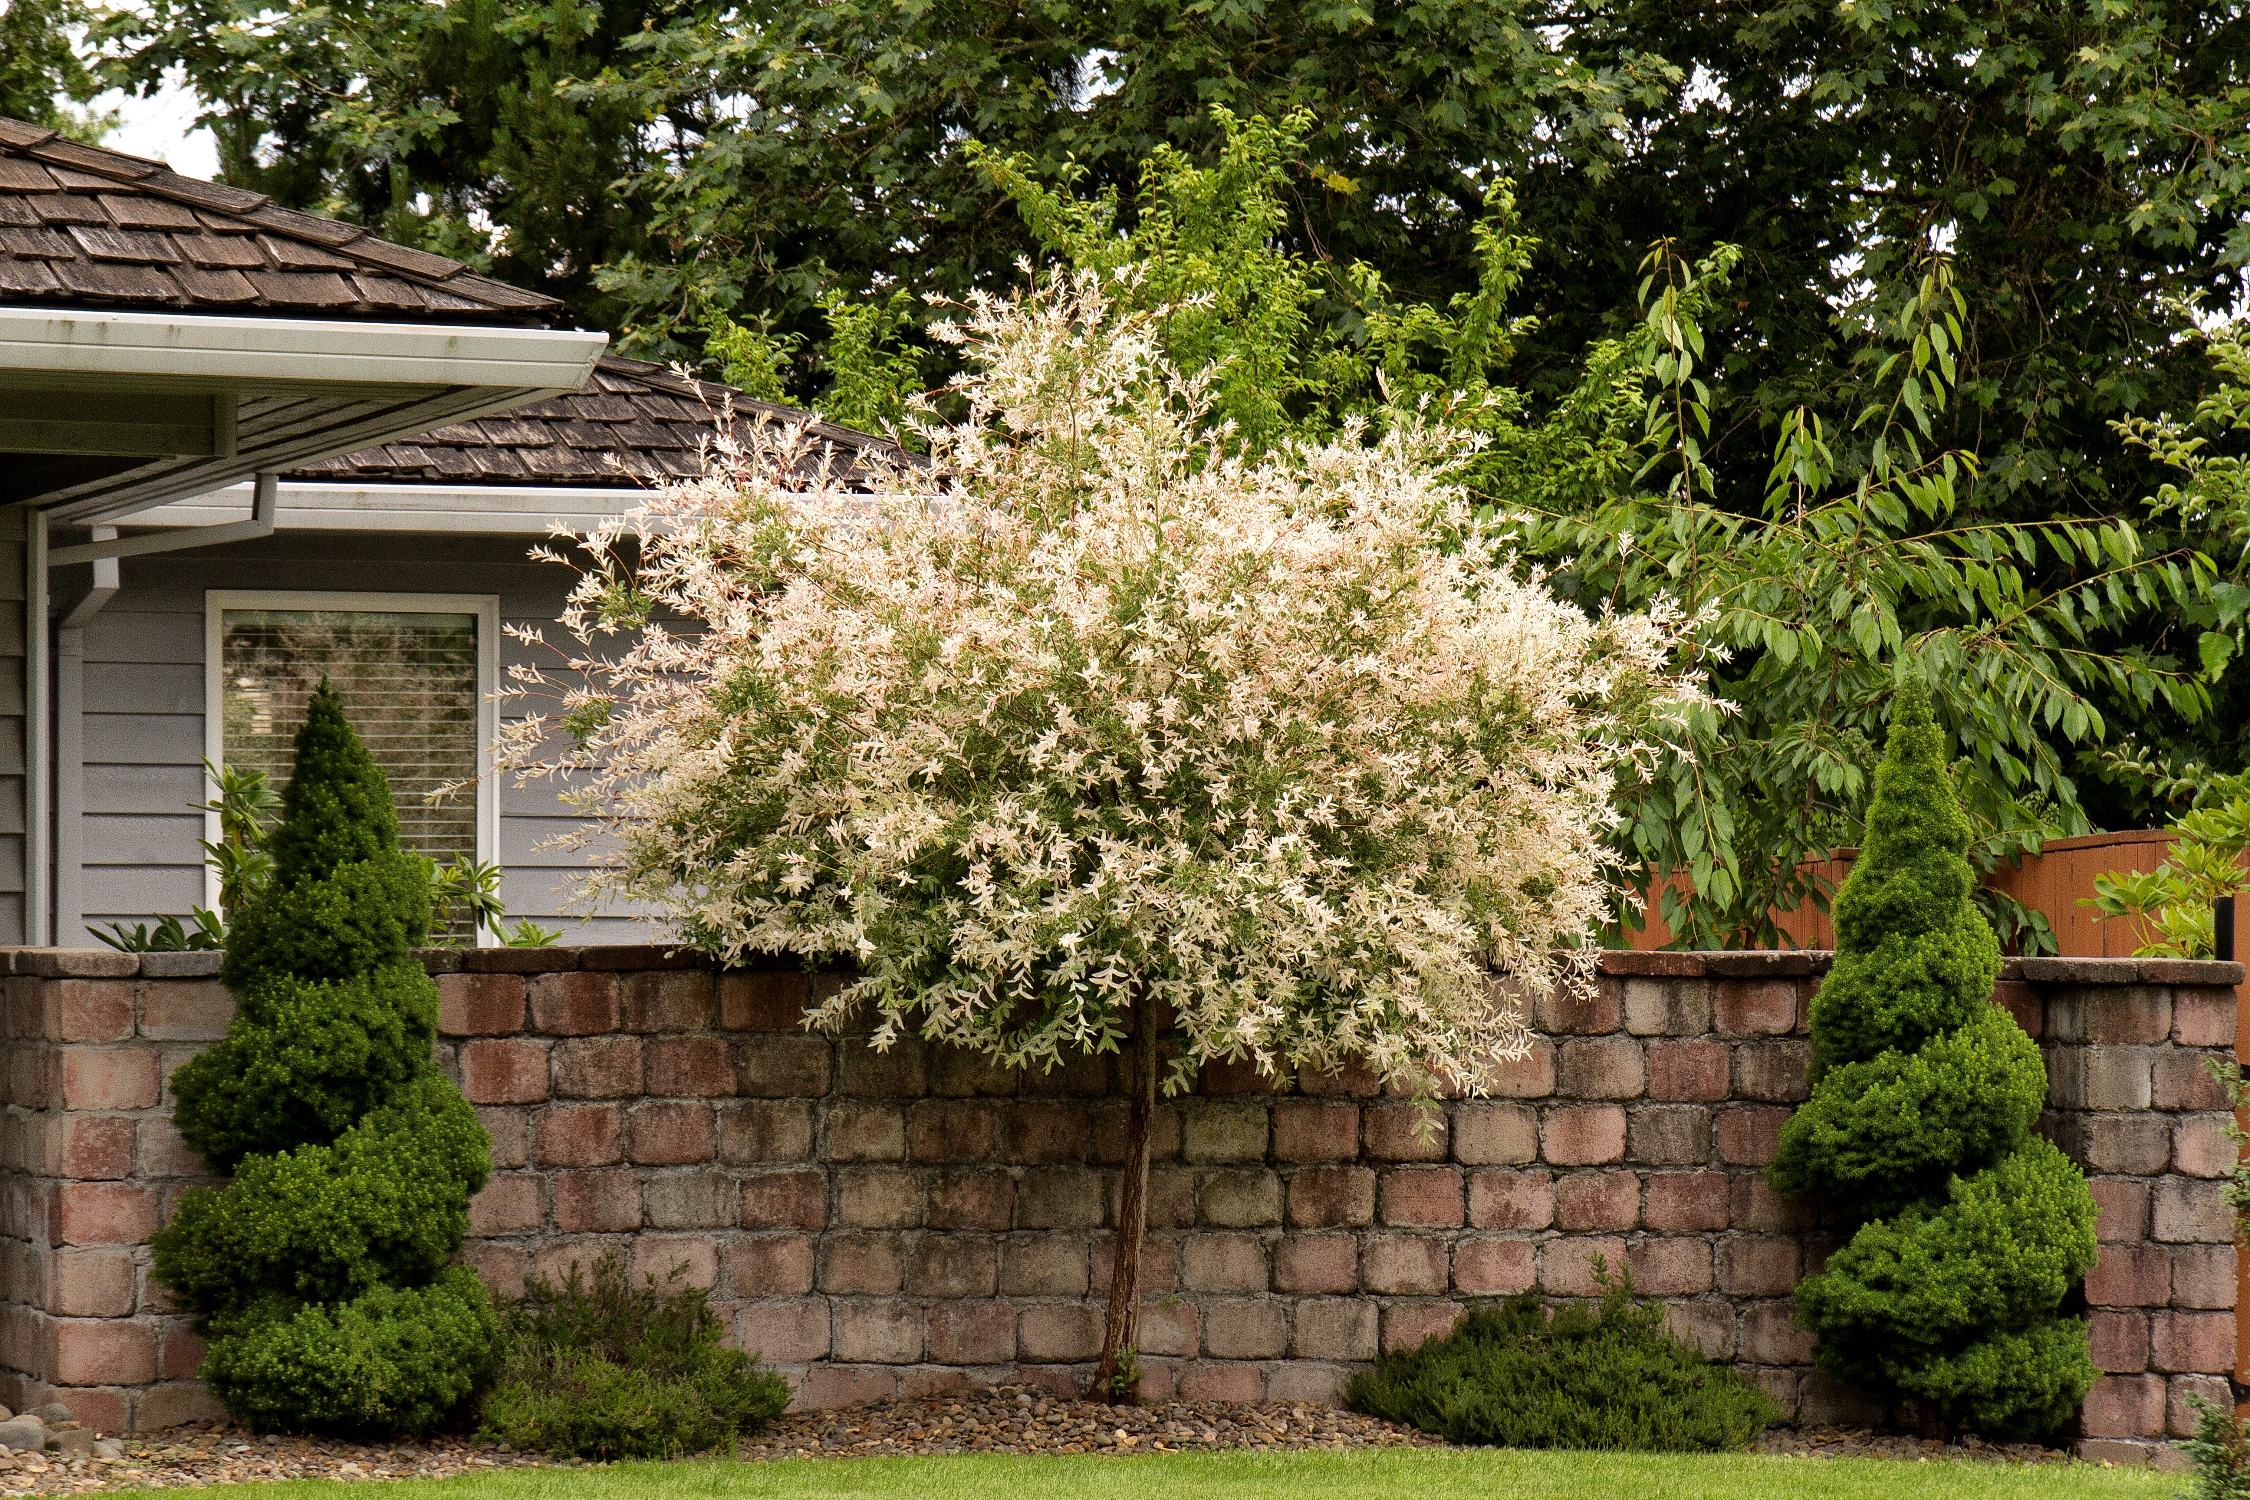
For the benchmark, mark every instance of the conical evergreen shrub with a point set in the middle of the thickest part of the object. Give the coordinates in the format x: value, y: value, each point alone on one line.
x: 322, y: 1273
x: 1971, y: 1230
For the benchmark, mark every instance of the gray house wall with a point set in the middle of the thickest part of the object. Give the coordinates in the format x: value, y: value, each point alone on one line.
x: 144, y: 711
x: 13, y: 755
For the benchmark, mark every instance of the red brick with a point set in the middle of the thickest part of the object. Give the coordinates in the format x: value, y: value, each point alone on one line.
x: 770, y: 1265
x: 1214, y: 1381
x: 2201, y: 1147
x: 96, y: 1283
x: 1316, y: 1263
x: 1060, y: 1333
x: 1404, y: 1132
x: 953, y: 1265
x: 785, y: 1067
x: 2130, y: 1276
x: 2192, y: 1343
x: 2023, y: 1004
x: 1354, y: 1080
x: 162, y: 1152
x: 1671, y: 1266
x: 1240, y: 1075
x: 878, y: 1198
x: 95, y: 1147
x: 674, y: 1261
x: 597, y: 1202
x: 862, y: 1265
x: 2179, y: 1080
x: 574, y: 1004
x: 1224, y: 1263
x: 2122, y: 1205
x: 678, y: 1000
x: 91, y: 1010
x: 690, y: 1066
x: 579, y: 1135
x: 1315, y: 1130
x: 1687, y: 1200
x: 511, y: 1203
x: 827, y: 1387
x: 1757, y: 1266
x: 762, y: 1130
x: 671, y: 1135
x: 110, y: 1077
x: 1583, y: 1010
x: 1409, y: 1325
x: 1770, y: 1335
x: 1751, y: 1134
x: 512, y: 1072
x: 478, y: 1004
x: 104, y: 1213
x: 1511, y: 1200
x: 786, y: 1332
x: 179, y: 1352
x: 1331, y: 1197
x: 177, y: 1405
x: 1568, y: 1265
x: 185, y: 1010
x: 1584, y: 1135
x: 763, y: 1002
x: 502, y: 1268
x: 1687, y: 1071
x: 1531, y: 1077
x: 1044, y: 1265
x: 2124, y: 1406
x: 1405, y: 1265
x: 1486, y: 1134
x: 1169, y: 1327
x: 602, y: 1067
x: 975, y: 1333
x: 1043, y: 1133
x: 866, y: 1132
x: 2203, y: 1017
x: 1598, y: 1200
x: 785, y: 1200
x: 101, y: 1351
x: 1755, y: 1205
x: 2118, y: 1341
x: 953, y: 1130
x: 1493, y: 1268
x: 972, y: 1200
x: 1160, y: 1266
x: 1422, y: 1197
x: 1756, y: 1007
x: 2182, y: 1394
x: 1602, y: 1067
x: 2204, y: 1276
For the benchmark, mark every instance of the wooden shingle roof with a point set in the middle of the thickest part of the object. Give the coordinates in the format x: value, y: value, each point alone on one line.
x: 632, y: 424
x: 85, y: 227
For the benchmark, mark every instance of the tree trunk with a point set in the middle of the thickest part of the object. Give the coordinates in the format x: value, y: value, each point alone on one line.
x: 1120, y: 1327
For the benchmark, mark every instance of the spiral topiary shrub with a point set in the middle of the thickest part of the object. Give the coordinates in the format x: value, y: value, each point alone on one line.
x: 322, y: 1274
x: 1971, y: 1230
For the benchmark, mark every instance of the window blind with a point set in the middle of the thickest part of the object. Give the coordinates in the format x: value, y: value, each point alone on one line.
x: 409, y: 685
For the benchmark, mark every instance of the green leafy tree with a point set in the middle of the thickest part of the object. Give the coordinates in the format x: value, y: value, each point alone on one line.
x: 43, y: 70
x: 1971, y: 1229
x: 323, y: 1273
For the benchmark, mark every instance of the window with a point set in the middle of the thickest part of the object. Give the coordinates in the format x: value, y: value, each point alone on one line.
x: 415, y: 672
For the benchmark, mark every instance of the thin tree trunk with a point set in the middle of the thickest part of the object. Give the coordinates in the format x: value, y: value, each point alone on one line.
x: 1120, y: 1328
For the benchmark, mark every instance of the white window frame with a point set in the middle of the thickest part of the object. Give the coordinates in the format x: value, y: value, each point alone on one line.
x: 486, y: 608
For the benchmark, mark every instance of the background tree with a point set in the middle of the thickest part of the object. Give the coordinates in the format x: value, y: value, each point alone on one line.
x: 1089, y: 733
x: 44, y: 71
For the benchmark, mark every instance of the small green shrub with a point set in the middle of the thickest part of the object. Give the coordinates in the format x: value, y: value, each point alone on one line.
x: 2220, y: 1452
x: 611, y: 1370
x: 1609, y: 1375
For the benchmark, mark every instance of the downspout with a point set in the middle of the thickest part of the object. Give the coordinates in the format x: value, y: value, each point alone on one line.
x: 265, y: 506
x: 70, y: 745
x: 38, y: 724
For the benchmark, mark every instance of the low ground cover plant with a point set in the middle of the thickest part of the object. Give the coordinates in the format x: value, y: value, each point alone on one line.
x: 1530, y: 1374
x: 600, y: 1368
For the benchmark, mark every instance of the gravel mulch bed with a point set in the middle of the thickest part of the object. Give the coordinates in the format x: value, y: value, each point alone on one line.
x: 1862, y: 1442
x: 193, y: 1458
x: 1032, y: 1419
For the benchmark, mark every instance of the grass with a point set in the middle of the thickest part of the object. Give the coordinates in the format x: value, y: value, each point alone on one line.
x: 1489, y: 1474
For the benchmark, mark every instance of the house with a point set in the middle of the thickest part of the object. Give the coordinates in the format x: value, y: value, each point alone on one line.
x: 256, y: 448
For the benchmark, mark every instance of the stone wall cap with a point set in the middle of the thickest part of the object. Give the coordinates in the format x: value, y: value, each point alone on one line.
x: 2130, y: 971
x: 203, y: 964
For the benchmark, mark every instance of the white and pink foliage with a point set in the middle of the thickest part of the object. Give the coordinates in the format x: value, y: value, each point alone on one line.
x: 1086, y: 710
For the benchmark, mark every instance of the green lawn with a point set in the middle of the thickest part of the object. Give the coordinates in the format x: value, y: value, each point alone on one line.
x: 1393, y: 1475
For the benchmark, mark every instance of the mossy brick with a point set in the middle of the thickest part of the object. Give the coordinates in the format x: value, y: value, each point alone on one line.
x: 972, y: 1200
x: 1421, y: 1197
x: 505, y: 1072
x: 690, y: 1067
x: 1405, y: 1265
x: 878, y: 1198
x: 179, y: 1350
x: 768, y: 1265
x: 1059, y: 1332
x: 872, y: 1265
x: 1688, y: 1071
x: 1671, y: 1265
x: 953, y: 1130
x: 1407, y: 1132
x: 1531, y: 1076
x: 1668, y: 1135
x: 1335, y: 1328
x: 1594, y: 1008
x: 1598, y: 1200
x: 1223, y: 1076
x: 1240, y: 1198
x: 1679, y: 1202
x: 670, y: 1133
x: 962, y: 1073
x: 177, y: 1404
x: 1749, y: 1134
x: 1667, y: 1007
x: 2202, y: 1148
x: 1044, y: 1265
x: 1311, y: 1130
x: 1755, y: 1007
x: 701, y: 1199
x: 765, y: 1130
x: 597, y: 1201
x: 953, y: 1265
x: 1410, y: 1325
x: 1773, y: 1072
x: 2131, y: 1145
x: 1568, y: 1264
x: 110, y: 1078
x: 899, y: 1071
x: 1492, y: 1134
x: 783, y: 1067
x: 574, y: 1004
x: 2180, y: 1080
x: 1752, y: 1265
x: 1044, y: 1132
x: 1353, y: 1080
x: 2130, y: 1276
x: 579, y: 1135
x: 2123, y: 1406
x: 471, y: 1005
x: 2187, y: 1211
x: 2117, y: 1339
x: 1221, y: 1380
x: 1169, y: 1327
x: 826, y: 1387
x: 184, y: 1010
x: 772, y: 1001
x: 96, y: 1282
x: 600, y: 1067
x: 865, y: 1132
x: 1331, y: 1197
x: 2204, y: 1276
x: 1224, y: 1262
x: 1106, y: 1133
x: 93, y: 1147
x: 511, y: 1203
x: 2110, y: 1014
x: 785, y: 1200
x: 1512, y: 1200
x: 1703, y: 1325
x: 1583, y: 1135
x: 785, y: 1331
x: 1769, y: 1335
x: 2182, y: 1395
x: 100, y: 1351
x: 975, y: 1333
x: 1059, y: 1198
x: 2203, y: 1016
x: 1225, y: 1132
x: 1494, y: 1267
x: 674, y: 1001
x: 1604, y: 1067
x: 1160, y: 1264
x: 678, y: 1261
x: 1316, y: 1263
x: 1234, y: 1329
x: 503, y: 1268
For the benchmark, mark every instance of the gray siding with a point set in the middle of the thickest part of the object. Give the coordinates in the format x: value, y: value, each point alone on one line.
x: 144, y: 710
x: 13, y: 851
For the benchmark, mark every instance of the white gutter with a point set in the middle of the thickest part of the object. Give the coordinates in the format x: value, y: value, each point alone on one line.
x: 264, y: 506
x: 294, y: 352
x: 531, y: 510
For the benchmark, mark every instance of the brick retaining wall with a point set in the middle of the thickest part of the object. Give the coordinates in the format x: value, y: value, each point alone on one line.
x: 892, y: 1223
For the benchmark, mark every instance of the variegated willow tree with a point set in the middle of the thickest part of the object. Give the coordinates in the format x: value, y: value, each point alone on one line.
x: 1091, y: 730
